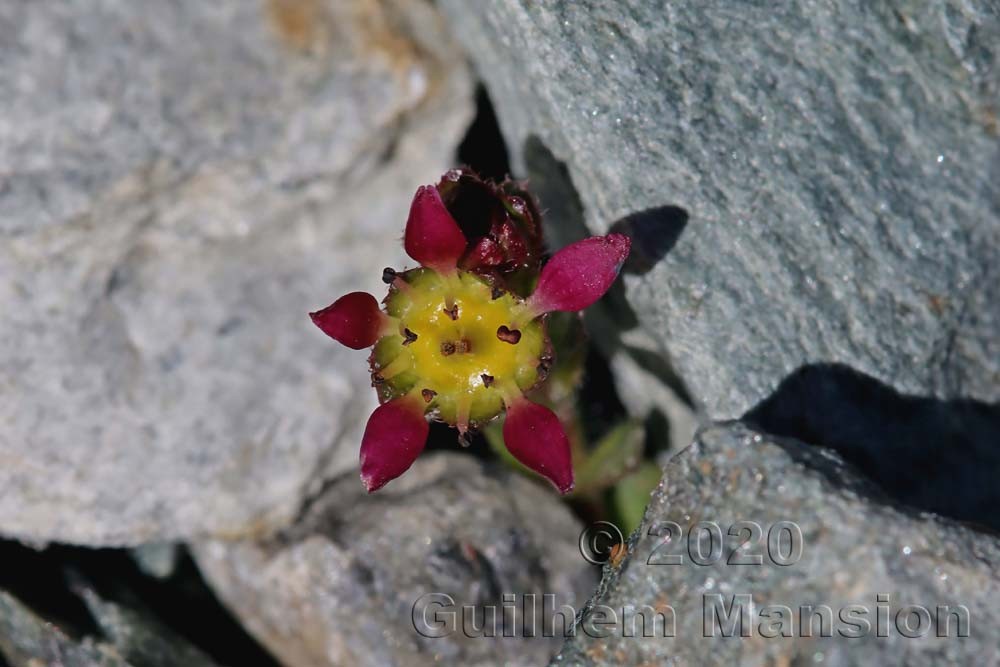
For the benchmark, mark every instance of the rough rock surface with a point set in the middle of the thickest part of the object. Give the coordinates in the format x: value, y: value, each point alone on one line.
x: 341, y: 586
x: 27, y: 640
x: 126, y: 637
x: 839, y: 165
x: 855, y: 545
x: 179, y: 185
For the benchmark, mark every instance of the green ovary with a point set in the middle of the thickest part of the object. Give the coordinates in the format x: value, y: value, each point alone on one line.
x: 450, y: 357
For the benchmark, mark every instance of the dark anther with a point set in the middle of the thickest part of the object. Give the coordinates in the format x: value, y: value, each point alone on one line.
x: 497, y: 293
x: 487, y: 380
x: 428, y: 395
x: 511, y: 336
x: 377, y: 379
x: 447, y: 348
x: 463, y: 346
x: 452, y: 312
x: 545, y: 362
x: 409, y: 336
x: 388, y: 275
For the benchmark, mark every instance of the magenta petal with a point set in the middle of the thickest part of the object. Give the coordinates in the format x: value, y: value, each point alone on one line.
x: 395, y: 435
x: 580, y: 274
x: 433, y: 238
x: 534, y: 435
x: 354, y: 320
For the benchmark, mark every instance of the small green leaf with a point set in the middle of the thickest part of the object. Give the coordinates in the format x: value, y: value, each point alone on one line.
x: 617, y: 453
x: 631, y: 495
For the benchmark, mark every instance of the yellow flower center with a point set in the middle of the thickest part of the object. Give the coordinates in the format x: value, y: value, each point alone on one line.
x: 459, y: 344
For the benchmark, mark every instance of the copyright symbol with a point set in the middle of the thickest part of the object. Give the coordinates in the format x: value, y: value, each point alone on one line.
x: 598, y: 541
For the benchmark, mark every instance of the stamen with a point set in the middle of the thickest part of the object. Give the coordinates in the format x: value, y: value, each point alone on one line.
x: 544, y: 366
x: 388, y: 275
x: 487, y: 380
x: 463, y: 346
x: 521, y: 314
x: 397, y: 366
x: 415, y: 394
x: 428, y: 395
x: 452, y: 284
x: 409, y: 336
x: 447, y: 348
x: 496, y: 292
x: 508, y: 335
x: 462, y: 409
x: 390, y: 324
x: 509, y: 392
x: 402, y: 286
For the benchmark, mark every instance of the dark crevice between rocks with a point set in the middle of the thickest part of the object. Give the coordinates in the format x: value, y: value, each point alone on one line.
x: 38, y: 579
x: 600, y: 405
x: 49, y: 582
x: 936, y: 455
x: 654, y: 232
x: 483, y: 147
x: 658, y: 438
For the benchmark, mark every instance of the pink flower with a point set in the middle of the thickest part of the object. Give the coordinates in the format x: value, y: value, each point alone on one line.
x: 456, y: 344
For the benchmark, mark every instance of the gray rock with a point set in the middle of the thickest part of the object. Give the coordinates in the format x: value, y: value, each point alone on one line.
x: 143, y: 641
x: 157, y: 559
x: 838, y: 164
x: 644, y: 392
x: 27, y: 640
x: 127, y: 637
x: 855, y: 545
x: 179, y: 185
x: 342, y: 586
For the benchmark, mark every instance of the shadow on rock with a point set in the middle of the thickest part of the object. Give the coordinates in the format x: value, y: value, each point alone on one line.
x: 932, y: 454
x: 654, y: 232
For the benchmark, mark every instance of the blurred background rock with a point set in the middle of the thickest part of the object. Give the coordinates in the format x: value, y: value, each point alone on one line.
x: 812, y: 192
x: 181, y: 184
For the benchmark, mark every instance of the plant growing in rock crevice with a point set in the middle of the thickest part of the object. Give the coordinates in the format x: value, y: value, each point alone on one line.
x: 464, y: 337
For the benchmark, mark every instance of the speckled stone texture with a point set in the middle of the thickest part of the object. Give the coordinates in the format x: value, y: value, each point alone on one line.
x: 27, y: 640
x: 180, y: 183
x: 341, y: 585
x: 124, y: 637
x: 855, y: 545
x: 839, y: 163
